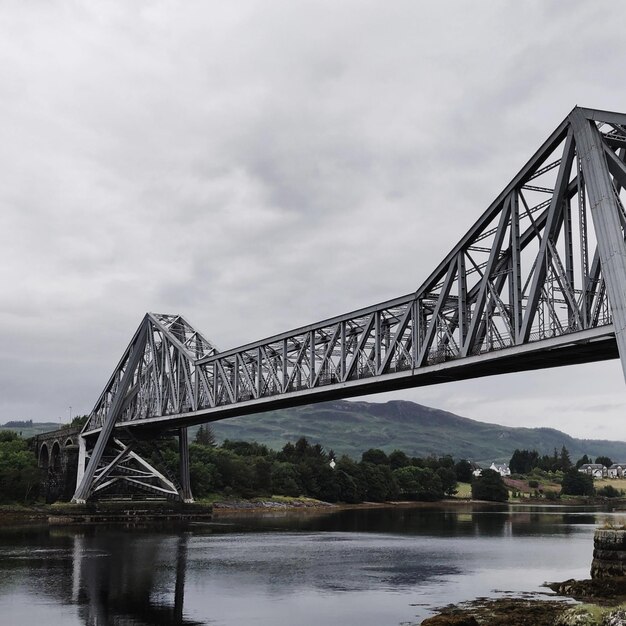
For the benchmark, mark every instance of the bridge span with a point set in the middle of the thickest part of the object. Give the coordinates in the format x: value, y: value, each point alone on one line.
x: 538, y: 281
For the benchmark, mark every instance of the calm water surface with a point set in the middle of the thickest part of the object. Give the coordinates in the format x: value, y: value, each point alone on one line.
x: 377, y: 567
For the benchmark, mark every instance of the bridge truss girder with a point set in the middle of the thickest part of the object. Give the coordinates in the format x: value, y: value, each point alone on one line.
x: 538, y: 281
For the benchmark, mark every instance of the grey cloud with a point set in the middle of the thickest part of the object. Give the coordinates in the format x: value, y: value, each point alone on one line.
x: 258, y: 166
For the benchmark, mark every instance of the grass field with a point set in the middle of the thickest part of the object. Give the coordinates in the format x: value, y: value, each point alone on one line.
x: 618, y: 483
x: 464, y: 490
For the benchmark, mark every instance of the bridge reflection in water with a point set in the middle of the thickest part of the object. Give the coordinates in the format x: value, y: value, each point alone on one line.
x: 119, y: 577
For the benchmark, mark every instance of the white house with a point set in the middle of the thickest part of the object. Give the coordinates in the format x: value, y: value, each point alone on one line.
x: 596, y: 470
x: 502, y: 469
x: 616, y: 470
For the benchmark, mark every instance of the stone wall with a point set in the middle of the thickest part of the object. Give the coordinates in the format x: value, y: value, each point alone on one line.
x: 609, y: 553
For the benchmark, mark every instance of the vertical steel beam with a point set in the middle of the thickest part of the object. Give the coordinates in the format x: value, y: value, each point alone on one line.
x: 462, y: 297
x: 311, y: 359
x: 606, y: 221
x: 433, y: 324
x: 183, y: 451
x: 285, y: 376
x: 569, y: 259
x: 415, y: 332
x: 515, y: 282
x: 477, y: 313
x: 584, y: 245
x: 377, y: 341
x: 343, y: 357
x: 82, y: 458
x: 553, y: 224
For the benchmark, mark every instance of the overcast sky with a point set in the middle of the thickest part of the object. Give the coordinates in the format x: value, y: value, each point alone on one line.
x: 256, y: 166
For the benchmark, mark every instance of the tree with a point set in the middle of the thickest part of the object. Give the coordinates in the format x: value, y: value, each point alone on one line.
x: 205, y: 436
x: 78, y: 421
x: 564, y: 459
x: 576, y: 483
x: 302, y: 449
x: 523, y: 461
x: 263, y: 475
x: 355, y: 471
x: 19, y: 474
x: 348, y: 489
x: 398, y: 459
x: 584, y: 459
x: 489, y: 486
x: 203, y: 478
x: 417, y: 483
x: 246, y: 448
x: 448, y: 480
x: 285, y: 479
x: 604, y: 460
x: 379, y: 482
x: 375, y: 456
x: 463, y: 471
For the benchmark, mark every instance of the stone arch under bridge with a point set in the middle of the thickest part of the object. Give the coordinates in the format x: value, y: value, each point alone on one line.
x: 57, y: 458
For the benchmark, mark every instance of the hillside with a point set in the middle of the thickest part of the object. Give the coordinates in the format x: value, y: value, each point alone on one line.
x: 352, y: 427
x: 36, y: 428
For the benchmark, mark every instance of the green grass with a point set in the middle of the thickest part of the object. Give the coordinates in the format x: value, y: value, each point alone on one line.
x: 464, y: 490
x: 618, y: 483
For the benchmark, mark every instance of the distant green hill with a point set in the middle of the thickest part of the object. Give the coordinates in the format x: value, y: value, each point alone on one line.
x: 352, y: 427
x: 30, y: 430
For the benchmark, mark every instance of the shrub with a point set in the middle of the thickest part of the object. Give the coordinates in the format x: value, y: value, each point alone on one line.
x: 489, y: 486
x: 416, y: 483
x: 608, y: 491
x: 576, y: 483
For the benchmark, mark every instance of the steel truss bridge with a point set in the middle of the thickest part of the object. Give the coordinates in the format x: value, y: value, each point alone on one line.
x: 538, y: 281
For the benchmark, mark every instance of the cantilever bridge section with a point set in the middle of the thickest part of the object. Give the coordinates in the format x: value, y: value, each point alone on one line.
x: 538, y: 281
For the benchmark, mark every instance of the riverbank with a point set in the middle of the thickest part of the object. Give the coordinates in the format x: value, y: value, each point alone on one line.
x: 598, y: 603
x: 66, y: 513
x: 13, y: 514
x: 130, y: 513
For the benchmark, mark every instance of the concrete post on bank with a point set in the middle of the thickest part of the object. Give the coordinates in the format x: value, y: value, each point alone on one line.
x: 609, y: 553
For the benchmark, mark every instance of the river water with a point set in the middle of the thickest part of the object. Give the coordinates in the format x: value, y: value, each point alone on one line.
x: 365, y: 567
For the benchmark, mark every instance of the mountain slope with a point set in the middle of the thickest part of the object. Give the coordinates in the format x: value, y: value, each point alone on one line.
x: 352, y: 427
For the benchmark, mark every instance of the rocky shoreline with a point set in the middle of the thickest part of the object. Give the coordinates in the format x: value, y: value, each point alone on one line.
x: 591, y: 602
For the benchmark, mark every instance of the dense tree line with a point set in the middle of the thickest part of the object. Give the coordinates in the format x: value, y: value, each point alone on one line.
x: 525, y: 461
x: 245, y: 469
x: 19, y: 474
